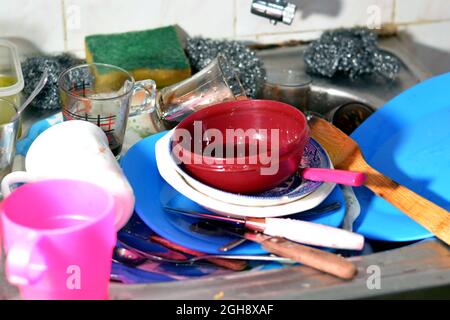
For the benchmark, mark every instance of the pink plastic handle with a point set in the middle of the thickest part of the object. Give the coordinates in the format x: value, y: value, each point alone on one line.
x: 345, y: 177
x: 20, y: 268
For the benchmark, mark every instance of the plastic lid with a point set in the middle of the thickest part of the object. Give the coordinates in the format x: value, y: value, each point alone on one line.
x: 10, y: 66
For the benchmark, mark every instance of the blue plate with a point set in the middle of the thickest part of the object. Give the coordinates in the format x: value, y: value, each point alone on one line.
x: 408, y: 140
x: 153, y: 193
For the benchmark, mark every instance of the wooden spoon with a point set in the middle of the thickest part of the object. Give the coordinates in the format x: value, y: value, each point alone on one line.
x: 346, y: 155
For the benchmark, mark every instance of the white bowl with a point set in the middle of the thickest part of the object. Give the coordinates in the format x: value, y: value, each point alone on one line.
x: 168, y: 172
x: 293, y: 189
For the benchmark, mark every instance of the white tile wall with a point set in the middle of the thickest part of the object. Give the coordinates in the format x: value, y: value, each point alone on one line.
x: 410, y: 11
x: 429, y: 43
x: 212, y: 18
x: 34, y: 25
x: 58, y: 25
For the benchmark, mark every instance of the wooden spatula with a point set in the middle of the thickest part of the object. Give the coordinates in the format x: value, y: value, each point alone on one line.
x: 345, y: 154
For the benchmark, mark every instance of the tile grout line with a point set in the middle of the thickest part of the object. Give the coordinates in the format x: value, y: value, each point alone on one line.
x: 422, y: 22
x: 235, y: 19
x: 425, y: 22
x: 63, y: 9
x: 394, y: 11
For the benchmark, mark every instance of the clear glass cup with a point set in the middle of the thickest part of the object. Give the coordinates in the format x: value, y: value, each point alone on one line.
x: 102, y: 94
x: 217, y: 82
x: 288, y: 86
x: 9, y: 130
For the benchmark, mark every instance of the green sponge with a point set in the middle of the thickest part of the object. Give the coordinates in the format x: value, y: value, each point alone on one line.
x: 150, y: 54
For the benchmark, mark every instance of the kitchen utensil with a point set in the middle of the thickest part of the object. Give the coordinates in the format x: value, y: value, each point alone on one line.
x: 41, y: 84
x: 407, y: 139
x: 229, y: 264
x: 318, y: 259
x: 137, y: 235
x: 62, y: 247
x: 294, y: 230
x: 131, y: 257
x: 166, y: 170
x: 153, y: 193
x: 266, y: 140
x: 127, y: 275
x: 346, y: 155
x: 344, y: 177
x: 135, y: 257
x: 231, y: 245
x: 11, y: 77
x: 33, y: 67
x: 215, y: 83
x: 87, y: 94
x: 311, y: 257
x: 352, y: 208
x: 8, y: 135
x: 290, y: 190
x: 75, y: 150
x: 286, y: 85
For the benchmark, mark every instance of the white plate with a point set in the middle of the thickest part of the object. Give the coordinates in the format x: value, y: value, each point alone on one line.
x: 172, y: 177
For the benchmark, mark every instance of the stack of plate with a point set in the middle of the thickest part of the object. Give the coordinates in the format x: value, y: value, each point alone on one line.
x: 157, y: 182
x: 293, y: 196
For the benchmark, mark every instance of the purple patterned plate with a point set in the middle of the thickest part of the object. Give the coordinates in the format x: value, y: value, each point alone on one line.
x: 292, y: 189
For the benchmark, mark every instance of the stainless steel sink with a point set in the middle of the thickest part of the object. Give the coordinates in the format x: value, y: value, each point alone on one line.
x: 407, y: 267
x: 327, y: 94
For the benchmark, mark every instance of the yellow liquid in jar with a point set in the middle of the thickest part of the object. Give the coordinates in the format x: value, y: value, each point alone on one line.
x: 6, y: 81
x: 6, y: 111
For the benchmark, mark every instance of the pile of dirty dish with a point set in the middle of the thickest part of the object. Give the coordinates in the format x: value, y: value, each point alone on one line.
x: 237, y: 174
x: 75, y: 193
x: 224, y: 183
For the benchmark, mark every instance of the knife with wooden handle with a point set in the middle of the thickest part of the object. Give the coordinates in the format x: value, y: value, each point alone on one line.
x: 296, y: 230
x: 318, y: 259
x: 310, y: 233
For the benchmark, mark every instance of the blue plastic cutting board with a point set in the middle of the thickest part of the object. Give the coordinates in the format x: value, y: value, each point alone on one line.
x: 408, y: 140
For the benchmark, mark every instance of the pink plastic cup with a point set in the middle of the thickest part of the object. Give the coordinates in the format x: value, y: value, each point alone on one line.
x: 59, y: 237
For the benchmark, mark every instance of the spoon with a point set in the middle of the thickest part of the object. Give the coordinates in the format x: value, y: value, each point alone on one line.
x: 135, y: 257
x: 41, y: 84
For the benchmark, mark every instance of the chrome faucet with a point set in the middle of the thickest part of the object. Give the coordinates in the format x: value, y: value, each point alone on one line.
x: 275, y: 10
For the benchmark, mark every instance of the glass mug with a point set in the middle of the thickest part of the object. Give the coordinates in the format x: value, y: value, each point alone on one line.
x: 288, y: 86
x: 217, y: 82
x: 107, y: 95
x: 102, y: 94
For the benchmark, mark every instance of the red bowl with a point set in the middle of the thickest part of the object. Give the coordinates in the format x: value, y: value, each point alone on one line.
x: 266, y: 151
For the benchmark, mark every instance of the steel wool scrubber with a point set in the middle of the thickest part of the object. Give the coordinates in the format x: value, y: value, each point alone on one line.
x: 352, y: 52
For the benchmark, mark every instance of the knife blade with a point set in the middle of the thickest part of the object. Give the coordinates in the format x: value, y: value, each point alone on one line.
x: 296, y: 230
